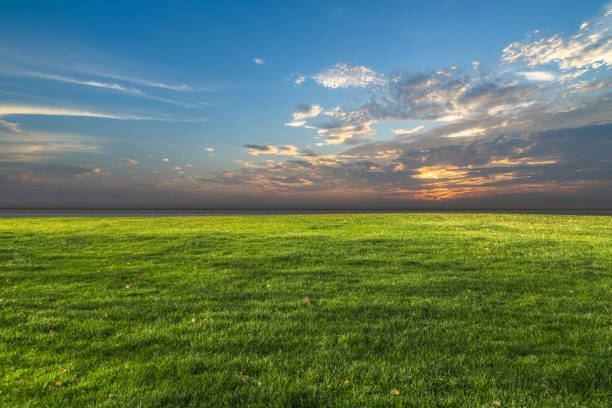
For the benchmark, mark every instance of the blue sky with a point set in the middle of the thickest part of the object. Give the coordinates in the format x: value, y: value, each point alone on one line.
x: 250, y: 104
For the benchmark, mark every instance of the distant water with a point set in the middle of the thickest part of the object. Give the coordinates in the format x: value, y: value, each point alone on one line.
x: 210, y: 213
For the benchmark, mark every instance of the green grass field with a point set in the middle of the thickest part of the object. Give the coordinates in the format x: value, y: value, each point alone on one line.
x: 446, y: 310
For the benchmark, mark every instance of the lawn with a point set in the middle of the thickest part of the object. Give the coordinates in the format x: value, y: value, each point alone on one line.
x: 413, y: 310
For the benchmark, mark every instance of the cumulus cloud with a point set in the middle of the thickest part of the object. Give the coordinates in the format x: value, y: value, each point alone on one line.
x: 479, y: 104
x: 343, y: 75
x: 304, y: 112
x: 488, y: 133
x: 258, y: 61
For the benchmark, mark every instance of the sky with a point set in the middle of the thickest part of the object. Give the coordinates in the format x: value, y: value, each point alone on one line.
x: 321, y: 104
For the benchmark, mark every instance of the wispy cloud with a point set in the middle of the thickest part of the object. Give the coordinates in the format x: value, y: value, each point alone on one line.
x: 538, y: 76
x: 128, y: 161
x: 287, y: 150
x: 36, y: 147
x: 149, y: 83
x: 9, y: 110
x: 407, y: 132
x: 258, y: 61
x: 10, y: 126
x: 104, y: 85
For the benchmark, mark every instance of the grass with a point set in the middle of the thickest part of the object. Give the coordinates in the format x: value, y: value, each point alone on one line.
x: 450, y: 310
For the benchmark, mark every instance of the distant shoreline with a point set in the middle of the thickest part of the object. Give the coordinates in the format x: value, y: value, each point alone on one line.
x: 212, y: 213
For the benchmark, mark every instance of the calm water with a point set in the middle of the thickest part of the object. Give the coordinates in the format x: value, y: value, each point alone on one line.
x: 208, y: 213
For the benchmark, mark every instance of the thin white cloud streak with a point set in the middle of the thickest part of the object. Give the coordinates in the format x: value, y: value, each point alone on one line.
x: 105, y: 85
x: 406, y: 132
x: 9, y: 110
x: 287, y: 150
x: 97, y: 84
x: 258, y: 61
x: 148, y: 83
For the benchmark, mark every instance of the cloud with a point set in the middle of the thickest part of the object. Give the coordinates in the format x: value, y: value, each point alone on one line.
x: 468, y: 132
x: 590, y: 48
x: 343, y: 75
x: 287, y: 150
x: 128, y: 161
x: 209, y: 149
x: 485, y: 104
x: 9, y: 110
x: 307, y: 111
x: 538, y: 76
x: 258, y: 61
x: 10, y: 126
x: 109, y: 85
x: 34, y: 147
x: 300, y: 80
x: 149, y: 83
x: 93, y: 173
x: 165, y: 159
x: 93, y: 83
x: 304, y: 112
x: 545, y: 163
x: 407, y: 132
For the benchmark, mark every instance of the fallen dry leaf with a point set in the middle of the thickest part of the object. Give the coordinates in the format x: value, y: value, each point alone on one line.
x: 110, y: 396
x: 193, y: 320
x: 306, y: 300
x: 496, y: 403
x: 395, y: 392
x: 128, y: 286
x: 346, y: 381
x: 544, y: 386
x: 58, y: 384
